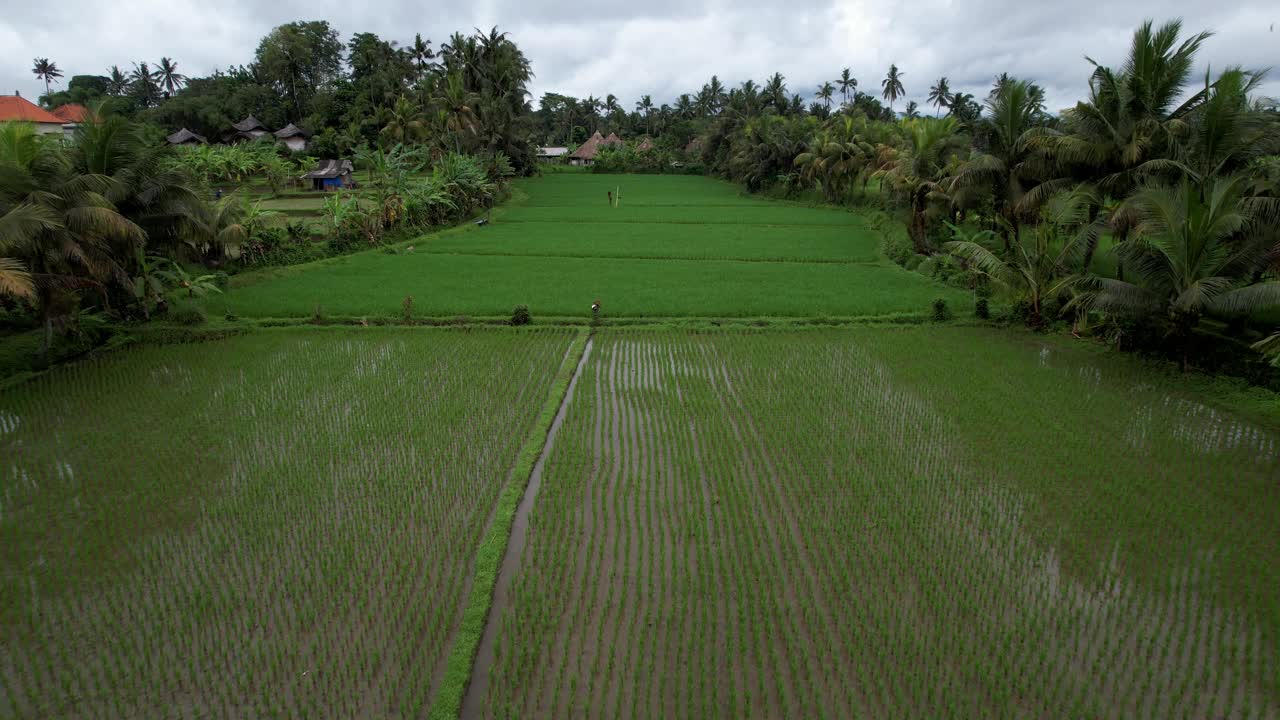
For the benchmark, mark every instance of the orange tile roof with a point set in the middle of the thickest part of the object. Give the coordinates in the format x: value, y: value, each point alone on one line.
x: 72, y: 113
x: 16, y: 107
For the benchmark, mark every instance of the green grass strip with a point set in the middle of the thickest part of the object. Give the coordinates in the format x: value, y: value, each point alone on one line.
x: 448, y: 701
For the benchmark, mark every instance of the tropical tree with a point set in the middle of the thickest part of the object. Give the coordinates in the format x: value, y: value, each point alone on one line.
x: 169, y: 78
x: 1012, y: 165
x: 825, y: 92
x: 912, y: 111
x: 46, y: 70
x: 421, y: 53
x: 144, y: 83
x: 1193, y: 253
x: 457, y: 105
x: 406, y: 122
x: 848, y: 85
x: 891, y: 86
x: 117, y: 81
x: 1032, y: 271
x: 644, y: 106
x: 940, y: 95
x: 836, y: 159
x: 919, y: 169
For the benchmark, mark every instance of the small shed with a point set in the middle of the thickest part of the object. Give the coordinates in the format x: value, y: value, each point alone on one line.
x: 293, y: 137
x: 552, y: 154
x: 186, y: 137
x: 330, y: 175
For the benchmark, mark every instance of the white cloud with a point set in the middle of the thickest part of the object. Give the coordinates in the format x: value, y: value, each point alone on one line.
x: 664, y: 47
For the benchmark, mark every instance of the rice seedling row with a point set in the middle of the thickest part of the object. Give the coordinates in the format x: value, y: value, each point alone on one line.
x: 802, y: 524
x: 281, y: 524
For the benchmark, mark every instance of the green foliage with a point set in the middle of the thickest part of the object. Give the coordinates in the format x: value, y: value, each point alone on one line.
x: 940, y: 312
x: 186, y: 312
x: 520, y: 316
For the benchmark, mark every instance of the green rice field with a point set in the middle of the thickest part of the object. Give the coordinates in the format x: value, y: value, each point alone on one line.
x: 668, y: 519
x: 675, y: 247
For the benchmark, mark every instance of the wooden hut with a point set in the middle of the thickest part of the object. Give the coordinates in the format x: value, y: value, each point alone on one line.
x: 586, y: 153
x: 330, y: 175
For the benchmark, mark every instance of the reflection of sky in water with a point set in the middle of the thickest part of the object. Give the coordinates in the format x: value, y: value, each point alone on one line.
x: 1201, y: 427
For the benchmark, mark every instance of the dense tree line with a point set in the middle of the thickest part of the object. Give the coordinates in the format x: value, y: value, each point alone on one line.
x: 1172, y: 180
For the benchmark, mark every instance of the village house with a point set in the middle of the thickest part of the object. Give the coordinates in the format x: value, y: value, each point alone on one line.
x: 15, y: 108
x: 293, y: 137
x: 552, y: 154
x: 249, y: 128
x: 331, y: 175
x: 72, y: 116
x: 586, y: 153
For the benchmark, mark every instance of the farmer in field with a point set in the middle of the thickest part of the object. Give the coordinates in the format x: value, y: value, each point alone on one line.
x: 610, y: 198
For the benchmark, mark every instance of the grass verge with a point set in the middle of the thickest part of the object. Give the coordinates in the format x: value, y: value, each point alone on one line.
x: 448, y: 700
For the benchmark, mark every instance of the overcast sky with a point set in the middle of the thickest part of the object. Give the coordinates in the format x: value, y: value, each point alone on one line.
x: 665, y: 47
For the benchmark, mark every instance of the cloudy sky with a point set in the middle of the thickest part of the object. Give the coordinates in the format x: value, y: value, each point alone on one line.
x: 665, y: 47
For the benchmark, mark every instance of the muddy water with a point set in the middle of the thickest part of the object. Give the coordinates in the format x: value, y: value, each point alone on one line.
x: 478, y: 685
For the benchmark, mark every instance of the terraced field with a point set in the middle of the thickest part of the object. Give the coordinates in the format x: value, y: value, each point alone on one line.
x: 811, y: 524
x: 675, y: 247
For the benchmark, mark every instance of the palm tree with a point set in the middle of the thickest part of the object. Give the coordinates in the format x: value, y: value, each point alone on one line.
x: 684, y: 106
x: 457, y: 103
x: 117, y: 81
x: 918, y: 170
x: 15, y: 281
x: 406, y: 122
x: 1032, y: 271
x: 912, y: 111
x: 825, y: 92
x: 1191, y: 255
x: 892, y: 85
x: 143, y: 82
x: 68, y: 235
x: 848, y: 84
x: 46, y: 70
x: 836, y: 159
x: 775, y: 92
x: 644, y: 106
x: 170, y: 79
x: 421, y: 54
x: 940, y: 95
x: 1012, y: 163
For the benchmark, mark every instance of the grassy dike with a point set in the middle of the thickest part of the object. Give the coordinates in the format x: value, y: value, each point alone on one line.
x: 447, y: 703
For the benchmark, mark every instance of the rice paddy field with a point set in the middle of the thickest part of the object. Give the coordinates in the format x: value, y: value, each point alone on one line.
x: 870, y: 523
x: 674, y: 247
x: 873, y: 520
x: 275, y: 525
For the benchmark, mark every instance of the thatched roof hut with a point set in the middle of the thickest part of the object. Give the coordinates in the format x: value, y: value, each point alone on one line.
x: 186, y: 137
x: 294, y: 137
x: 249, y: 124
x: 645, y: 145
x: 586, y: 153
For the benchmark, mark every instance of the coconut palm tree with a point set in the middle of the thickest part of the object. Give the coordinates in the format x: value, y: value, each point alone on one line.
x: 59, y: 223
x: 406, y: 122
x: 644, y: 106
x: 836, y: 159
x: 458, y: 106
x: 912, y: 111
x: 117, y: 81
x: 775, y: 92
x: 848, y: 85
x: 892, y: 85
x: 169, y: 78
x: 1192, y: 255
x: 46, y: 70
x: 1013, y: 164
x: 940, y: 95
x: 918, y: 170
x: 825, y: 92
x: 1032, y: 271
x: 421, y: 54
x: 143, y: 81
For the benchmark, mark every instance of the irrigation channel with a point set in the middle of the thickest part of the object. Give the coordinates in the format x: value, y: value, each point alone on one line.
x: 478, y: 685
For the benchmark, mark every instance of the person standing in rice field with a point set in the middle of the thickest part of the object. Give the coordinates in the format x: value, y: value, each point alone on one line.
x: 610, y: 198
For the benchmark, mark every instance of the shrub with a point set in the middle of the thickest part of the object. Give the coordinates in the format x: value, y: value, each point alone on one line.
x: 982, y: 308
x: 406, y: 308
x: 941, y: 313
x: 187, y: 313
x: 927, y: 266
x: 221, y: 280
x: 914, y: 261
x: 520, y: 316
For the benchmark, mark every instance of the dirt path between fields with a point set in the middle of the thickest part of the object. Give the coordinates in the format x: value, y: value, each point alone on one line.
x: 478, y: 685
